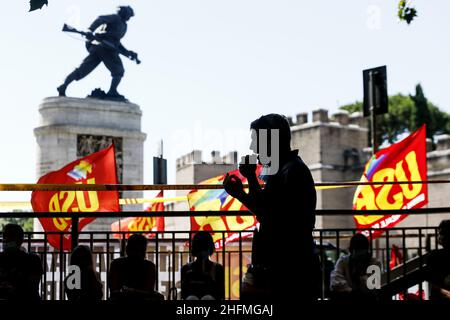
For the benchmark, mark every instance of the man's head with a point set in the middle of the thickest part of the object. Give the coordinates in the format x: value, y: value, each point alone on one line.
x: 81, y: 256
x: 125, y: 12
x: 136, y: 246
x: 12, y: 236
x: 444, y: 234
x: 359, y: 243
x: 202, y: 245
x: 273, y: 123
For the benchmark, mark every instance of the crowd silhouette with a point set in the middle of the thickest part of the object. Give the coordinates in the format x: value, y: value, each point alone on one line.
x: 90, y: 288
x: 20, y: 272
x: 348, y: 280
x: 132, y: 278
x: 202, y: 279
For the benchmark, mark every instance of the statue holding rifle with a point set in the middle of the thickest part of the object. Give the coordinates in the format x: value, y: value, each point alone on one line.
x: 103, y: 44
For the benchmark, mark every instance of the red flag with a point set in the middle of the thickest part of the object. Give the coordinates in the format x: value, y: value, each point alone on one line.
x: 220, y: 200
x: 396, y: 257
x: 97, y: 168
x: 402, y: 161
x: 134, y: 224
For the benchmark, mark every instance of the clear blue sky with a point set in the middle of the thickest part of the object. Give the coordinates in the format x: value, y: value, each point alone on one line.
x: 210, y: 67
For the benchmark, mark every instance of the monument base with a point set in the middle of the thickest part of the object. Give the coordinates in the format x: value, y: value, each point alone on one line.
x: 72, y: 128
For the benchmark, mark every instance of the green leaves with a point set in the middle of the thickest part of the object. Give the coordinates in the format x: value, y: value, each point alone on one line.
x: 37, y: 4
x: 406, y: 114
x: 406, y: 12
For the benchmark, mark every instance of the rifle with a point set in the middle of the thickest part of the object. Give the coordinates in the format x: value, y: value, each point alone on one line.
x: 104, y: 43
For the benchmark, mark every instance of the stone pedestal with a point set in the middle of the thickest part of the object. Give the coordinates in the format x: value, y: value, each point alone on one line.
x: 71, y: 128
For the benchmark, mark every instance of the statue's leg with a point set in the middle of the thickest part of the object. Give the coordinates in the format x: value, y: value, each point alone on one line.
x: 115, y: 66
x: 86, y: 67
x: 115, y: 81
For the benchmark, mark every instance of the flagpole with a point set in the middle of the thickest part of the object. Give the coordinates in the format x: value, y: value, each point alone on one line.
x: 373, y: 116
x: 373, y: 127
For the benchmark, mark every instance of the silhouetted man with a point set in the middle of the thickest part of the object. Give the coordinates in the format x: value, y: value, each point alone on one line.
x: 438, y: 264
x: 285, y: 209
x: 105, y: 46
x: 202, y: 279
x: 133, y: 277
x: 20, y: 272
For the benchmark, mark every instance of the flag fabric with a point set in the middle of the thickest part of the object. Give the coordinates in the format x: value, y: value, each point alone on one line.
x: 220, y: 200
x: 97, y: 168
x: 396, y: 257
x: 139, y: 224
x: 402, y: 161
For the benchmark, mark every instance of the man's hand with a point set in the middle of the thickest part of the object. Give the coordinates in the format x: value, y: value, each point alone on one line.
x: 233, y: 186
x: 248, y: 167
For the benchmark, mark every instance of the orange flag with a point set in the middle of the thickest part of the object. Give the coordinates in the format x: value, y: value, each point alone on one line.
x: 402, y: 161
x: 97, y: 168
x: 134, y: 224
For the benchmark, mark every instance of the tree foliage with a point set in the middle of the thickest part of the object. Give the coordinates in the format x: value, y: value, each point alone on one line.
x: 421, y: 113
x: 25, y: 223
x: 406, y: 114
x: 37, y: 4
x: 406, y: 12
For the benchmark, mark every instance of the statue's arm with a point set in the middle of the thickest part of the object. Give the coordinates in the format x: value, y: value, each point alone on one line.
x: 128, y: 53
x: 123, y: 50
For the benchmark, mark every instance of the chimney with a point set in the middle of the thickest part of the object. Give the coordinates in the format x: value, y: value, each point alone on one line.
x: 302, y: 118
x: 215, y: 157
x: 291, y: 123
x: 320, y: 115
x: 356, y: 118
x: 429, y: 145
x: 230, y: 158
x: 196, y: 157
x: 443, y: 142
x: 342, y: 117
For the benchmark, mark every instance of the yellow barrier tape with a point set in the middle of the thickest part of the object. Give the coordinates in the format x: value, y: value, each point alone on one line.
x: 125, y: 201
x: 143, y: 187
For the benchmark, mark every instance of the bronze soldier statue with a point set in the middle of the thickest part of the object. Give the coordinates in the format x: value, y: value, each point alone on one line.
x: 104, y: 46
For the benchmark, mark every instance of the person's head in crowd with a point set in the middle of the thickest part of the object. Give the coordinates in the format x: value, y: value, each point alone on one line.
x: 359, y: 244
x: 444, y: 234
x: 202, y: 245
x: 81, y: 256
x: 136, y: 246
x: 12, y: 237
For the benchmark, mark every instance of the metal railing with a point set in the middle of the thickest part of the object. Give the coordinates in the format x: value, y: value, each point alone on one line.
x: 169, y: 250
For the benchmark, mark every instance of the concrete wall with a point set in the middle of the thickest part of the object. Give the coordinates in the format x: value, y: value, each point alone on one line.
x: 321, y: 145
